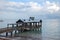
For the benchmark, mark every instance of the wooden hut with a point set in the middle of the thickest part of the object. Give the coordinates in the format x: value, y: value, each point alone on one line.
x: 29, y: 24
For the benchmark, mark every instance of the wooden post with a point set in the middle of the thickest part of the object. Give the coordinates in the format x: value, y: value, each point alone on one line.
x: 36, y: 24
x: 15, y: 31
x: 17, y: 25
x: 41, y: 22
x: 19, y: 31
x: 12, y: 25
x: 11, y: 33
x: 6, y: 34
x: 30, y: 25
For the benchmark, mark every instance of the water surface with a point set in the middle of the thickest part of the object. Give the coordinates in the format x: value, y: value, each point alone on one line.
x: 50, y: 30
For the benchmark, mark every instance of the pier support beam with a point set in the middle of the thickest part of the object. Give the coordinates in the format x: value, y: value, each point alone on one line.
x: 6, y: 34
x: 19, y: 31
x: 15, y: 31
x: 11, y: 33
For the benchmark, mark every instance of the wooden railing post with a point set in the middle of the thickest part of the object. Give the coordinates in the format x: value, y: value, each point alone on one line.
x: 11, y: 33
x: 6, y: 34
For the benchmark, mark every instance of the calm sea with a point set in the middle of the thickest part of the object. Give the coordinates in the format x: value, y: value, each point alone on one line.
x: 50, y: 29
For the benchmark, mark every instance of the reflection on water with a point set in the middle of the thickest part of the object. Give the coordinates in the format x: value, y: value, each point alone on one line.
x: 50, y: 30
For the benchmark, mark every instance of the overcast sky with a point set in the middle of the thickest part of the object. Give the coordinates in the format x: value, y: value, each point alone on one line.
x: 13, y: 9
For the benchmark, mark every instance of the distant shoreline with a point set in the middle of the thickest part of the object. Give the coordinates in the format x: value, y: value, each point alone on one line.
x: 1, y: 20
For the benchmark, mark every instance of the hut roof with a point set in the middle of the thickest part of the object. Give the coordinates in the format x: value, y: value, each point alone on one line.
x: 19, y: 21
x: 22, y: 21
x: 36, y: 20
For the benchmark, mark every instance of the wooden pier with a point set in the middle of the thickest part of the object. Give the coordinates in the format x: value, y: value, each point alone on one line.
x: 21, y: 26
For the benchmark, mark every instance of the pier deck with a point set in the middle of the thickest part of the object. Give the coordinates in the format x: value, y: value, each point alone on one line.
x: 20, y: 27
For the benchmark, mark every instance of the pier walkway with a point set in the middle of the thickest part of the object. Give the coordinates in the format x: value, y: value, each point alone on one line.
x: 20, y: 27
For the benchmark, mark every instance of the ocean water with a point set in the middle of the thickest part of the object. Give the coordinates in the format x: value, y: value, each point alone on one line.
x: 7, y: 21
x: 50, y: 29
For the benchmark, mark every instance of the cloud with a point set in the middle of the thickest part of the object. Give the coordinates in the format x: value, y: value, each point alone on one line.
x: 52, y: 7
x: 34, y: 6
x: 28, y: 8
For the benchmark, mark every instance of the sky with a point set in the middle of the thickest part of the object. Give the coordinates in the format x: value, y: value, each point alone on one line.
x: 16, y: 9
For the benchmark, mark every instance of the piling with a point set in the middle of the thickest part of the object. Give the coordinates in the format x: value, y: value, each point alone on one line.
x: 6, y: 34
x: 11, y: 33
